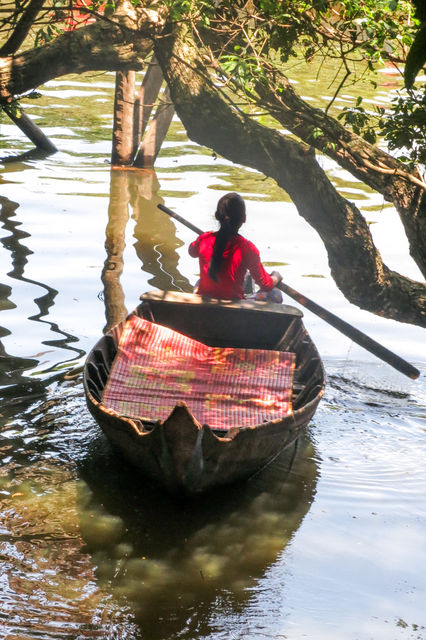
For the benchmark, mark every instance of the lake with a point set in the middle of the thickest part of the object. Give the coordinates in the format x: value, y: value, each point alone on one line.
x: 328, y: 543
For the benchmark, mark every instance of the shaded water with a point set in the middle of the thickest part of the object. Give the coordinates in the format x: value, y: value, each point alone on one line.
x: 326, y: 543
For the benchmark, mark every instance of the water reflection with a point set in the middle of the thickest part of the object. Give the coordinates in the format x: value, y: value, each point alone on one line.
x: 155, y: 234
x: 174, y: 561
x: 12, y: 368
x: 48, y: 584
x: 31, y: 154
x: 118, y: 215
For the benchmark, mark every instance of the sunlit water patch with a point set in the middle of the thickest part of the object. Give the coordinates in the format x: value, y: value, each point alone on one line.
x: 352, y: 570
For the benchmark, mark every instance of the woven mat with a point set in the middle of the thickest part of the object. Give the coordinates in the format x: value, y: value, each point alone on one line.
x: 155, y: 367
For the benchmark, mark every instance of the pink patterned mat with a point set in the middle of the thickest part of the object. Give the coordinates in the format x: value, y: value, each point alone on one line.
x: 155, y: 367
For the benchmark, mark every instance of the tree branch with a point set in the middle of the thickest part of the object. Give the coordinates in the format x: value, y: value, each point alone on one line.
x: 355, y: 263
x: 22, y: 28
x: 367, y: 162
x: 103, y: 46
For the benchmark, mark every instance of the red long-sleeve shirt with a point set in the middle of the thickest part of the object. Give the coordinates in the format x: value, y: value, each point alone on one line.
x: 239, y: 256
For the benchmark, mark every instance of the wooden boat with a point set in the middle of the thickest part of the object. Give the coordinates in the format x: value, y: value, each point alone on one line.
x: 179, y: 452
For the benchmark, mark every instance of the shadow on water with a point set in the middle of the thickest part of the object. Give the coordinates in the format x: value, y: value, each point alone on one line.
x: 48, y: 585
x: 94, y: 550
x: 175, y: 561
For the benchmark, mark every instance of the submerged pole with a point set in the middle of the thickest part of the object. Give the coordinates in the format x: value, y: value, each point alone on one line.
x: 31, y: 130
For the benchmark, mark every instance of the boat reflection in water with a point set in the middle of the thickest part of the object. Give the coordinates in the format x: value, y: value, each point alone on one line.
x: 174, y: 562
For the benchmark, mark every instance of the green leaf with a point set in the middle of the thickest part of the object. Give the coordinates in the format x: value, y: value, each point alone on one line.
x: 317, y: 133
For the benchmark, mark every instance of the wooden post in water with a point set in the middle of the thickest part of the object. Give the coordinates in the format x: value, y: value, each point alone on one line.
x: 156, y: 132
x: 122, y: 137
x: 131, y: 118
x: 145, y: 100
x: 31, y: 130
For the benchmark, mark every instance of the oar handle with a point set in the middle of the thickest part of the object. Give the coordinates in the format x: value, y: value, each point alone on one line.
x: 174, y: 215
x: 341, y: 325
x: 354, y: 334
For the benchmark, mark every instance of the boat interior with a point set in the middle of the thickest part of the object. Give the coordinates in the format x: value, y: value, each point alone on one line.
x: 240, y: 324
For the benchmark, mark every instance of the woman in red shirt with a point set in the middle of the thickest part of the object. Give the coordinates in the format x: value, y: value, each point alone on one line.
x: 225, y: 257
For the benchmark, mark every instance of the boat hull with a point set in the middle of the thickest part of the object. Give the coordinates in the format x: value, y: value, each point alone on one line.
x: 180, y: 453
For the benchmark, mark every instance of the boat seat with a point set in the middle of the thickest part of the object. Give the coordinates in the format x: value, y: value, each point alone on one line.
x: 238, y: 323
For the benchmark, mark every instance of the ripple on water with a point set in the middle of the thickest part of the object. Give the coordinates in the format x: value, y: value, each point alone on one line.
x: 373, y: 448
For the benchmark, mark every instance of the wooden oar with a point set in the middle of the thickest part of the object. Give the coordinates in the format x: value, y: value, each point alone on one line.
x: 341, y: 325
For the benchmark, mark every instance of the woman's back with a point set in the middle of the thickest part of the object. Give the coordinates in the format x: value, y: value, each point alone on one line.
x: 225, y: 256
x: 239, y: 256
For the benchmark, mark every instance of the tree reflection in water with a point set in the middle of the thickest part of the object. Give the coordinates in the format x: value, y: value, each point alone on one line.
x: 12, y: 367
x: 155, y: 234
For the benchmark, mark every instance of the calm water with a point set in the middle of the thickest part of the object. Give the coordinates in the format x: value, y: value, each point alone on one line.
x: 326, y: 544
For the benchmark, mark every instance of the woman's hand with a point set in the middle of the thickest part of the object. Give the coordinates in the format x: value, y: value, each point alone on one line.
x: 276, y: 277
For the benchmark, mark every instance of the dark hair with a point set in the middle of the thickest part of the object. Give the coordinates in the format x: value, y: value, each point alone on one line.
x: 231, y: 213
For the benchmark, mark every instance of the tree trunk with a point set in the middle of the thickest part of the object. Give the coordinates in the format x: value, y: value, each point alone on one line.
x: 365, y: 161
x: 104, y: 46
x: 22, y: 28
x: 31, y: 130
x: 355, y: 263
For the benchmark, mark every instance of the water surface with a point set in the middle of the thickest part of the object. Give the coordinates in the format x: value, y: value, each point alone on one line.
x: 328, y: 543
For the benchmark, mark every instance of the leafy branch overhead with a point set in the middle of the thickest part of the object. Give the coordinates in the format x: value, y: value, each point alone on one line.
x: 247, y: 39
